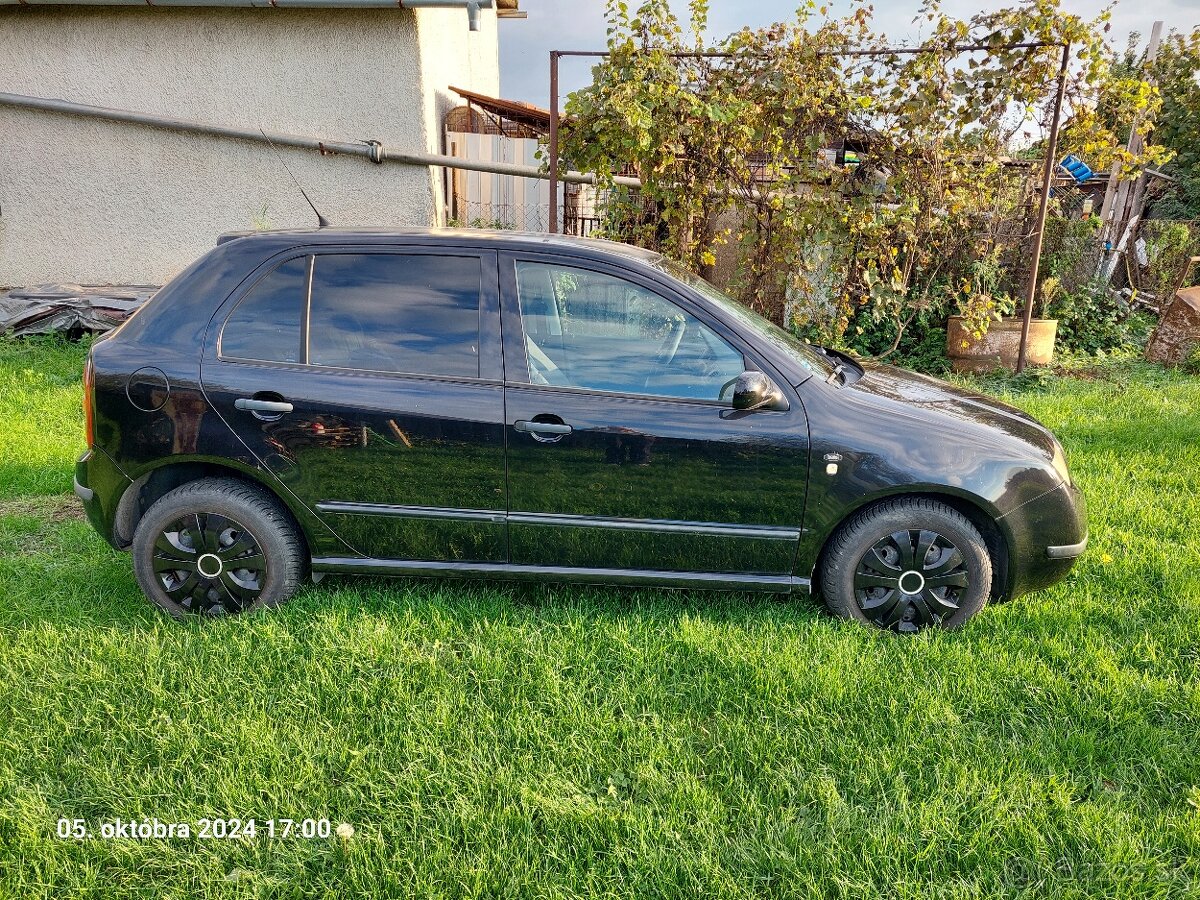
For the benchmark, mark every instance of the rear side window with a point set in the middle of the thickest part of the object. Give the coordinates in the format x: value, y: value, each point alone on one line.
x: 396, y: 313
x: 266, y: 323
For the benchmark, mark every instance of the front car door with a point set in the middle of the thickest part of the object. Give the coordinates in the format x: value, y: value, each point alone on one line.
x: 369, y: 381
x: 624, y: 451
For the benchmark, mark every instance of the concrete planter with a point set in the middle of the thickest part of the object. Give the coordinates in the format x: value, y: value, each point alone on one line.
x: 999, y: 347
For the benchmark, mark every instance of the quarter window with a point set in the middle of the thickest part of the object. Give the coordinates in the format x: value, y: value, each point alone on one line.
x: 396, y: 313
x: 590, y: 330
x: 265, y: 325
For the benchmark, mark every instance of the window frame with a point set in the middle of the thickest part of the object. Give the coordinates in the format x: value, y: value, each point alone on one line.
x: 488, y: 351
x: 516, y: 363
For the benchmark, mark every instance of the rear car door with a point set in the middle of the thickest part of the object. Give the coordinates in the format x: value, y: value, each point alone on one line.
x: 624, y: 449
x: 368, y: 380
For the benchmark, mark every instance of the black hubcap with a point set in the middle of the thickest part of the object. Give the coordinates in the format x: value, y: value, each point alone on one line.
x: 910, y: 580
x: 209, y: 564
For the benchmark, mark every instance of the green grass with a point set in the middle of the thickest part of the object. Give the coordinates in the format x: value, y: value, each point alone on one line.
x: 556, y: 741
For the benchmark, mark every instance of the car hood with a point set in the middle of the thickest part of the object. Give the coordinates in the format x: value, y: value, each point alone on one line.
x: 960, y: 409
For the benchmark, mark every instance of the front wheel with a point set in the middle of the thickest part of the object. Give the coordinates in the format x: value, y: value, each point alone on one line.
x: 217, y: 546
x: 906, y: 565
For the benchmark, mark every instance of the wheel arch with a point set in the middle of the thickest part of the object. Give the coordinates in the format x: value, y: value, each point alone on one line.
x: 978, y: 512
x: 172, y: 472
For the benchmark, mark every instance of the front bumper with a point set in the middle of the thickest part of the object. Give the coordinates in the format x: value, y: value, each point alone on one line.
x: 1047, y: 535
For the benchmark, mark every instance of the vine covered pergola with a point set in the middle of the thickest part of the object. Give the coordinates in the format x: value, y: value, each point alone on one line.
x: 727, y: 140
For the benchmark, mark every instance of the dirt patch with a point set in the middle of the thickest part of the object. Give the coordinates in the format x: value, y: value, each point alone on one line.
x: 54, y: 509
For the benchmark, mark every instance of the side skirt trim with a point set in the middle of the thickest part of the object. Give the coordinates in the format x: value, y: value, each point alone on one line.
x: 420, y: 568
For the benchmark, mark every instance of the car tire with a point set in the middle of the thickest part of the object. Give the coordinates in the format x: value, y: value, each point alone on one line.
x: 905, y: 565
x: 236, y: 547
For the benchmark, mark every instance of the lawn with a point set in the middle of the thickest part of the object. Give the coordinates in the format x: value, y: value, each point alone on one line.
x: 557, y: 741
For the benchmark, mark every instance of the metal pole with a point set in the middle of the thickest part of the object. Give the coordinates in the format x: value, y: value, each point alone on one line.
x: 373, y: 151
x: 553, y: 229
x: 1040, y: 230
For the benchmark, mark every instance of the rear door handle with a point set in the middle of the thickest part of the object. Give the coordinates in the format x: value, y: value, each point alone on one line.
x: 271, y: 407
x: 542, y: 427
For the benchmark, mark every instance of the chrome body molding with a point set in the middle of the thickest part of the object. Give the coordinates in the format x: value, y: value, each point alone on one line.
x: 769, y: 532
x: 718, y: 529
x: 781, y: 584
x: 410, y: 512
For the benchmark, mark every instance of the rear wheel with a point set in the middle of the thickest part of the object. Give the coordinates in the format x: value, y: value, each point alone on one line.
x: 217, y: 546
x: 906, y: 565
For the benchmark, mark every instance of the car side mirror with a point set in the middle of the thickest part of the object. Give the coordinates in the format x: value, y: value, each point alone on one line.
x: 754, y: 390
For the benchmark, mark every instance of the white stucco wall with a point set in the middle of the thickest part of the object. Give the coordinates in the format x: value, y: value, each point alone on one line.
x: 85, y: 200
x: 453, y: 56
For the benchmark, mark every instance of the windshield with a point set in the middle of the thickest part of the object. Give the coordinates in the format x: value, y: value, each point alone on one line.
x: 804, y: 354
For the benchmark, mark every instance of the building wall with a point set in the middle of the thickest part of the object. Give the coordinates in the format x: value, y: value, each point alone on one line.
x: 452, y: 56
x: 99, y: 202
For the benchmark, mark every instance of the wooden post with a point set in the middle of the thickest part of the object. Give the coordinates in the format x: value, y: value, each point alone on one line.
x: 1040, y: 229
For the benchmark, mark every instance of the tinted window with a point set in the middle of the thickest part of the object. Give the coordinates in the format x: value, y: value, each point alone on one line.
x: 590, y: 330
x: 801, y: 352
x: 266, y: 322
x: 396, y: 313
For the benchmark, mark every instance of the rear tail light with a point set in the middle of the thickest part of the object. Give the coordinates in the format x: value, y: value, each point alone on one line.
x: 89, y: 401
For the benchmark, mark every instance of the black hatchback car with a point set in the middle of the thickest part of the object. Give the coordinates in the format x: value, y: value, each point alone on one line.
x: 492, y: 404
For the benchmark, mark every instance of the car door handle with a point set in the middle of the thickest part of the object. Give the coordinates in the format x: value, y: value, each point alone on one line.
x: 272, y: 407
x: 542, y: 427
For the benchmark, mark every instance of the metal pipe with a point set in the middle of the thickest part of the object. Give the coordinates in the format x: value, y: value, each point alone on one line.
x: 471, y: 6
x: 553, y: 142
x: 879, y: 51
x: 1040, y: 230
x: 372, y: 150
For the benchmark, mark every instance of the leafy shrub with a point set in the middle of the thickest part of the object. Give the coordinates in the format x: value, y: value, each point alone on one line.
x: 1091, y: 319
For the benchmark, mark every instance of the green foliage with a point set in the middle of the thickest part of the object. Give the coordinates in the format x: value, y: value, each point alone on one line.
x: 1169, y: 248
x: 1093, y: 319
x: 1069, y: 255
x: 1180, y: 200
x: 480, y: 222
x: 738, y: 151
x: 1177, y: 72
x: 920, y: 346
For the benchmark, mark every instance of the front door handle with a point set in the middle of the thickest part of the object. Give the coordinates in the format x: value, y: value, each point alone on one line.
x: 557, y: 429
x: 263, y: 409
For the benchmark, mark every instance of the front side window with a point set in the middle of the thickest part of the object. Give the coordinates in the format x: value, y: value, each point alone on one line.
x: 590, y: 330
x: 265, y: 325
x: 395, y: 313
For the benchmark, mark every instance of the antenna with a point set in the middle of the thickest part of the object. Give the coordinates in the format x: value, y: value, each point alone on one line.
x: 322, y: 222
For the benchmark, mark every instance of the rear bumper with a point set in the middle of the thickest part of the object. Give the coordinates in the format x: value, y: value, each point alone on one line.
x: 83, y: 493
x: 99, y: 485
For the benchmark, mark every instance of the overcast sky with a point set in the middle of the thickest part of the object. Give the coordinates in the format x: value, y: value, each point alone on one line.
x: 525, y: 44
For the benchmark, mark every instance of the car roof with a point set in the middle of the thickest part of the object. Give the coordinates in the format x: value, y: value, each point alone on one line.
x: 527, y: 240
